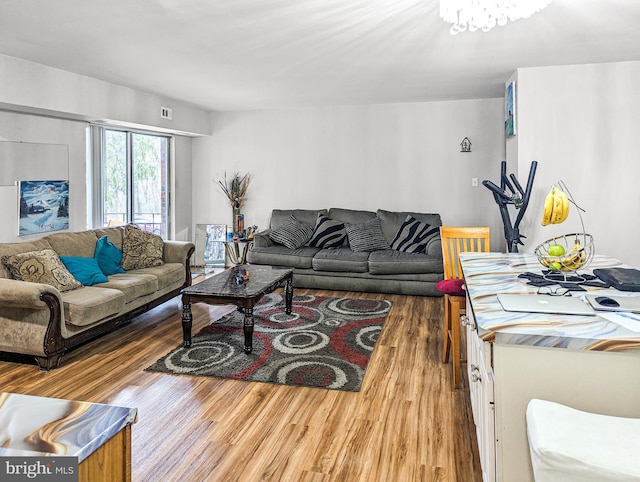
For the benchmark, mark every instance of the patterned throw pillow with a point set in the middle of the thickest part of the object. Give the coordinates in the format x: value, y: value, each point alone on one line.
x: 328, y: 233
x: 42, y: 266
x: 141, y: 249
x: 413, y: 236
x: 367, y: 236
x: 293, y: 234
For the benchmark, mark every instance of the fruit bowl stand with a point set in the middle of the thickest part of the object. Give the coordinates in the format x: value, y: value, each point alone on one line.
x: 578, y: 252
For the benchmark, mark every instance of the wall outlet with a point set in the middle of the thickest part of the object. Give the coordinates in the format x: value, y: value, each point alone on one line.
x: 474, y: 181
x: 166, y: 113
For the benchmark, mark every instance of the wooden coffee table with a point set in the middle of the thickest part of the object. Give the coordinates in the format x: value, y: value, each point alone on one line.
x: 222, y: 289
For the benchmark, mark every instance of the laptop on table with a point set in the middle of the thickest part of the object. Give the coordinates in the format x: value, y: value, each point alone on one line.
x: 534, y: 303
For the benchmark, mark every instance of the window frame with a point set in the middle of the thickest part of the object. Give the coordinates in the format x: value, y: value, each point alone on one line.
x: 97, y: 142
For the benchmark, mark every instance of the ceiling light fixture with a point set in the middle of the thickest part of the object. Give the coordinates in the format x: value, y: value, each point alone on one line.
x: 485, y: 14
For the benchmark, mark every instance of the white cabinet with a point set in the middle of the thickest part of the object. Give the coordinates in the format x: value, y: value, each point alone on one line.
x: 503, y: 379
x: 482, y: 398
x: 590, y: 363
x: 594, y: 381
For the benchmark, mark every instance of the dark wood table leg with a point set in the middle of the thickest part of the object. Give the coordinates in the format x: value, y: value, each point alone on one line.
x: 288, y: 294
x: 187, y: 319
x: 248, y: 330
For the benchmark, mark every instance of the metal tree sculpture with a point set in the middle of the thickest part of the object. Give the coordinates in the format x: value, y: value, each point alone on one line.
x: 506, y: 194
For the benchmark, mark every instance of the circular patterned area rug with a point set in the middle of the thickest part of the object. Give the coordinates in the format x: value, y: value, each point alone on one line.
x: 325, y: 343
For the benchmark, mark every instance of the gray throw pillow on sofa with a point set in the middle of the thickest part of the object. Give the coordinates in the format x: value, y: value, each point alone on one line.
x: 328, y: 233
x: 366, y: 236
x: 293, y: 234
x: 413, y: 236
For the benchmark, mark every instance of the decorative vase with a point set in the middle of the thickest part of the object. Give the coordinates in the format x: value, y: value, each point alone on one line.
x: 238, y: 222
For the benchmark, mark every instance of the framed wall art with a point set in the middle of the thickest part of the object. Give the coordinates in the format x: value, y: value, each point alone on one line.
x: 510, y: 109
x: 43, y: 206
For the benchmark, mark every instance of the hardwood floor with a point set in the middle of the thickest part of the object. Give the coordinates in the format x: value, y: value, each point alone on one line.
x: 405, y: 424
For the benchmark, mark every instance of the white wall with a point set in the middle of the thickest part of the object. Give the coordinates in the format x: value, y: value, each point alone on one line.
x: 39, y: 89
x: 18, y: 127
x: 28, y: 128
x: 394, y: 157
x: 181, y: 190
x: 581, y: 124
x: 41, y: 104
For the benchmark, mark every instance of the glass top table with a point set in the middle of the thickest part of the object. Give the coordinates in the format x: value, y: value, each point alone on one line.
x: 228, y: 287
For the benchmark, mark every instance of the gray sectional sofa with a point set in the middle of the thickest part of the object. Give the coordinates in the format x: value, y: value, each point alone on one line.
x: 381, y: 270
x: 53, y: 312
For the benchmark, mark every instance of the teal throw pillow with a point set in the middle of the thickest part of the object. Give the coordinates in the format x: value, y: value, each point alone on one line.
x: 109, y: 256
x: 85, y: 270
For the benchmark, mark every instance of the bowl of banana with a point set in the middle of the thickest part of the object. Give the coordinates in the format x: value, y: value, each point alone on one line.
x: 576, y: 252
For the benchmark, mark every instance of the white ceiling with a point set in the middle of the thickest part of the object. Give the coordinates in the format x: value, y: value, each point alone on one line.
x: 253, y: 54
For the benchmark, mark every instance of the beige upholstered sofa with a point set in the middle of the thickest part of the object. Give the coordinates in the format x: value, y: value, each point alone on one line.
x: 45, y: 319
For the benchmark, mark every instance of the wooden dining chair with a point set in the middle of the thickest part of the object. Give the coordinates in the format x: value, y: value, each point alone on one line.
x: 456, y: 240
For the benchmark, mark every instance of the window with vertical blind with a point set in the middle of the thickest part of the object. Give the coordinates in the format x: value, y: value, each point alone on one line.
x: 130, y: 179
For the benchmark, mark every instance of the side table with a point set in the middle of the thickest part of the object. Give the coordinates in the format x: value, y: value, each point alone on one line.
x: 237, y: 251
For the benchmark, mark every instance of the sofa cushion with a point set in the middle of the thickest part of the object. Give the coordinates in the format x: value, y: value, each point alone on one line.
x: 91, y: 304
x: 141, y: 249
x: 392, y: 220
x: 114, y: 234
x: 108, y: 256
x: 8, y: 249
x: 328, y: 233
x: 168, y: 274
x: 413, y: 236
x: 82, y: 243
x: 279, y: 255
x: 352, y: 216
x: 293, y: 233
x: 282, y: 216
x: 133, y: 284
x: 85, y: 270
x: 341, y: 259
x: 366, y: 236
x: 397, y: 262
x: 42, y: 266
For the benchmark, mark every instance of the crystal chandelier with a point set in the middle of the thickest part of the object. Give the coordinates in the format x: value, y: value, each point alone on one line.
x: 486, y: 14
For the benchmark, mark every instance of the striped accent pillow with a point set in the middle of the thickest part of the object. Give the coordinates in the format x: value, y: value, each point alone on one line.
x: 367, y: 236
x: 413, y: 236
x: 292, y: 233
x: 328, y: 233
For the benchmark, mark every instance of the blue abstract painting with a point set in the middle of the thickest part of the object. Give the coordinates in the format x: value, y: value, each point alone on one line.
x: 510, y: 109
x: 44, y: 206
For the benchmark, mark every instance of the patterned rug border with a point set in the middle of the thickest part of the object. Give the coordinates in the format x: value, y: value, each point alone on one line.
x: 325, y: 343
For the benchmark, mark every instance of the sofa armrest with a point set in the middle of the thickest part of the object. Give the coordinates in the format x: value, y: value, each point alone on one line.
x: 262, y: 239
x: 32, y: 321
x: 24, y: 294
x: 434, y: 247
x: 177, y: 251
